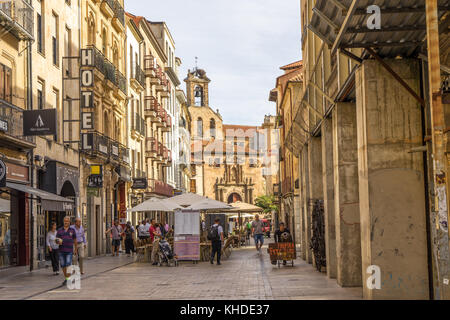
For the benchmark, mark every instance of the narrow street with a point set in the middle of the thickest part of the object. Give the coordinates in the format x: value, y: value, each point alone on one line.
x: 245, y: 276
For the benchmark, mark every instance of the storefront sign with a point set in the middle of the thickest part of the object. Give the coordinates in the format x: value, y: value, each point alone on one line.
x: 282, y: 251
x: 39, y: 122
x: 95, y: 181
x: 16, y: 172
x: 96, y: 169
x: 3, y: 125
x: 139, y: 183
x: 2, y: 174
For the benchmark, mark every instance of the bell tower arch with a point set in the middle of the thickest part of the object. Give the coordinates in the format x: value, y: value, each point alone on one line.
x: 197, y: 88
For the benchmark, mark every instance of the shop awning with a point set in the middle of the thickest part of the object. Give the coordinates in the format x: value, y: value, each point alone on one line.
x: 343, y: 24
x: 5, y: 206
x: 49, y: 201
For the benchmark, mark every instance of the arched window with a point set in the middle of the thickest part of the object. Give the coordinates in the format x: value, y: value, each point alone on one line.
x: 212, y: 128
x: 104, y: 42
x: 200, y: 127
x: 198, y: 94
x: 91, y: 29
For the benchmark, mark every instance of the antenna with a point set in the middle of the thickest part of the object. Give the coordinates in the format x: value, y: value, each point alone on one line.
x: 196, y: 63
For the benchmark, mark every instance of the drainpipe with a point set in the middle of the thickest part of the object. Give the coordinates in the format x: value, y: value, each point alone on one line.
x: 31, y: 153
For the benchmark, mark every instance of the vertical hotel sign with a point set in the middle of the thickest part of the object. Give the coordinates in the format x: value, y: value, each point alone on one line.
x: 87, y: 99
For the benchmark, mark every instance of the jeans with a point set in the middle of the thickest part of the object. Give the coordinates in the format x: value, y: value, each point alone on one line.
x: 54, y: 256
x: 259, y: 238
x: 129, y: 246
x: 216, y: 249
x: 65, y: 259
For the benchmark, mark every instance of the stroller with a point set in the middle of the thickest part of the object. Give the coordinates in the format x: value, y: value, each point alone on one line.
x: 166, y: 254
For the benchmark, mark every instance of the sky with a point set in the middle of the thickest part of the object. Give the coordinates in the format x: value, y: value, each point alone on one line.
x: 239, y: 43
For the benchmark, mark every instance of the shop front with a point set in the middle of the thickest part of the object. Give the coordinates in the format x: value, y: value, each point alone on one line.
x: 14, y: 218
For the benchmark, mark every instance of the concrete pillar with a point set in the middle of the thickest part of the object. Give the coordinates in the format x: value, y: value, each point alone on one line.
x: 346, y: 198
x: 306, y: 221
x: 315, y: 178
x: 391, y: 180
x: 328, y: 192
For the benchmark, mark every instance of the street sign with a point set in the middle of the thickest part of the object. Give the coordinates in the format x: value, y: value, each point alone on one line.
x: 39, y: 122
x: 2, y: 174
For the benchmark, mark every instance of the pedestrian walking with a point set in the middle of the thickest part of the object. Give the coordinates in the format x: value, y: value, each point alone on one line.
x: 116, y: 232
x: 67, y: 239
x: 216, y: 237
x: 155, y: 235
x: 81, y: 244
x: 53, y: 248
x: 258, y: 233
x: 129, y: 239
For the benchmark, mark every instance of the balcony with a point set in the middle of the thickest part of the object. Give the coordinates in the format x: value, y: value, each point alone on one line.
x: 151, y: 107
x: 112, y: 9
x: 137, y: 78
x: 17, y: 16
x: 100, y: 145
x: 167, y: 157
x: 162, y: 114
x: 108, y: 70
x: 160, y: 153
x: 160, y: 188
x: 167, y: 121
x: 151, y: 148
x: 150, y: 68
x: 11, y: 127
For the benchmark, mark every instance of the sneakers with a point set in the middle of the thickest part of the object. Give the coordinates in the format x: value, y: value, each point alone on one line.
x: 219, y: 264
x: 212, y: 262
x: 64, y: 283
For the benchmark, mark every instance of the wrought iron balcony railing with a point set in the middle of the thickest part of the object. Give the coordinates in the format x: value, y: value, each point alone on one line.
x: 108, y: 69
x: 138, y: 75
x: 11, y: 123
x: 18, y: 16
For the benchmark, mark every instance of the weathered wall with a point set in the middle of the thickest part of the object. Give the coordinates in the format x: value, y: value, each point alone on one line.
x: 391, y: 180
x: 328, y: 192
x: 347, y: 218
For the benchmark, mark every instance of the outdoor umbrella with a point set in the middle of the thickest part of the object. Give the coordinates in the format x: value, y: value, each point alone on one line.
x: 208, y: 204
x: 242, y: 207
x: 155, y: 204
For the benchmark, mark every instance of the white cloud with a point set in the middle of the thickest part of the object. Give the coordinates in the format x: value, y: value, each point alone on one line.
x: 240, y: 43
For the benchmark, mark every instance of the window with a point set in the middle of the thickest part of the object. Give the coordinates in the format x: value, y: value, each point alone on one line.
x: 104, y: 42
x: 39, y: 26
x: 199, y: 127
x: 40, y: 95
x: 91, y: 30
x: 193, y: 186
x: 5, y: 83
x: 56, y: 106
x: 55, y: 44
x: 212, y: 128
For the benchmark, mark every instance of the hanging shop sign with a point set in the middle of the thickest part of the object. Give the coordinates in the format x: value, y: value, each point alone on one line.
x: 2, y: 174
x: 95, y: 181
x: 139, y: 184
x: 39, y: 122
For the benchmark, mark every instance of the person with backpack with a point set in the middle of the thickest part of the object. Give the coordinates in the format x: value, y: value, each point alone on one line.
x: 215, y: 235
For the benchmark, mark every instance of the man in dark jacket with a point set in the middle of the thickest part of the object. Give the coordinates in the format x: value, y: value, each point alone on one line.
x: 282, y: 235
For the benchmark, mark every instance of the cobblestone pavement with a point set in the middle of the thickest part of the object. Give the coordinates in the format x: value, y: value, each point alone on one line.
x: 246, y: 275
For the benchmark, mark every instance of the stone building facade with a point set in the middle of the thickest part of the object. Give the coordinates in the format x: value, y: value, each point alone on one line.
x: 227, y: 160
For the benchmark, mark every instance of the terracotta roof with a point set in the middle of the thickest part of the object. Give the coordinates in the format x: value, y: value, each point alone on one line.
x: 293, y: 65
x: 137, y: 20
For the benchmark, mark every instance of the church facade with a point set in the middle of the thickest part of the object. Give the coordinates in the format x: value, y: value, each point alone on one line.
x: 229, y: 163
